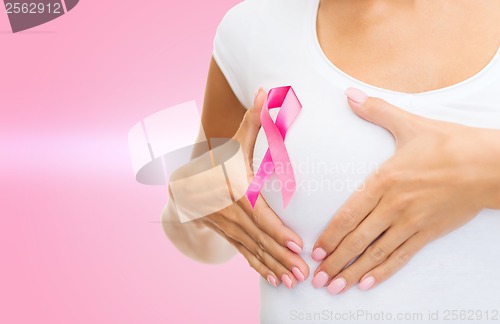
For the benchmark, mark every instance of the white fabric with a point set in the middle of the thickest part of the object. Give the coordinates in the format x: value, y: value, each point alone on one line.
x: 273, y: 43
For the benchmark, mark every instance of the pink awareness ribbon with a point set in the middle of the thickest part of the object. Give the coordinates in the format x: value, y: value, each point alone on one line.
x: 276, y: 158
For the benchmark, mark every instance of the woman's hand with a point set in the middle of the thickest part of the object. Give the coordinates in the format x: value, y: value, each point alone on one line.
x: 440, y: 177
x: 258, y: 234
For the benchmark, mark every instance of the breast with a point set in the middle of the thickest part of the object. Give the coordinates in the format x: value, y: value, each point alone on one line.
x: 332, y: 152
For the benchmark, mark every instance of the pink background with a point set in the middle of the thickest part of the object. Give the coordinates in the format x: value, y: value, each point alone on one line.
x: 80, y: 239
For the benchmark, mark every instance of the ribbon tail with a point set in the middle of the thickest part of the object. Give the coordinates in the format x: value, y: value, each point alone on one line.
x: 284, y: 171
x: 265, y: 169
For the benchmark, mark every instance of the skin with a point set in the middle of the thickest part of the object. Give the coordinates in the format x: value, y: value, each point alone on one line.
x: 373, y: 41
x: 413, y: 199
x: 255, y: 232
x: 258, y: 233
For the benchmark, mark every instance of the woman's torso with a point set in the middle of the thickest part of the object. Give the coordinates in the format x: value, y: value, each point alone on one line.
x: 333, y: 151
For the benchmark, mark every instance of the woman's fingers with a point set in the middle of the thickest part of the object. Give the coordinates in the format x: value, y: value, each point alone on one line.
x: 250, y: 125
x: 348, y: 217
x: 260, y: 231
x: 285, y: 272
x: 400, y: 257
x: 290, y: 260
x: 354, y: 244
x: 268, y: 221
x: 401, y: 123
x: 251, y: 258
x: 373, y: 256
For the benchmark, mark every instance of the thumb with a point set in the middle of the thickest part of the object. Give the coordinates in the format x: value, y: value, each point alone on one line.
x: 378, y: 111
x: 250, y: 125
x: 258, y: 102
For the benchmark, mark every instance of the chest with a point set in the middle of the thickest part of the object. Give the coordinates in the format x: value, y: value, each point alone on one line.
x: 409, y: 49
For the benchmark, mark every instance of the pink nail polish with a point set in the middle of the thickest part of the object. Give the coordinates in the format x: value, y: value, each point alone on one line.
x: 294, y: 247
x: 320, y: 279
x: 337, y: 285
x: 318, y: 254
x: 298, y: 274
x: 355, y: 95
x: 287, y: 281
x: 366, y: 283
x: 272, y: 281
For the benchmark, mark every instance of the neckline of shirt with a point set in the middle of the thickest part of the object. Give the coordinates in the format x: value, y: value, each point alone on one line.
x: 444, y: 93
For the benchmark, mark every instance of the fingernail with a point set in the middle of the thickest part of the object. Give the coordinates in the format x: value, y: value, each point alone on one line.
x: 298, y: 274
x: 287, y: 281
x: 256, y: 93
x: 355, y: 95
x: 320, y: 279
x: 366, y: 283
x: 318, y: 254
x: 337, y: 285
x: 294, y: 247
x: 272, y: 281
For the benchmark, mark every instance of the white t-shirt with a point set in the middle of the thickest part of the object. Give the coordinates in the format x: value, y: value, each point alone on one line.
x: 455, y: 278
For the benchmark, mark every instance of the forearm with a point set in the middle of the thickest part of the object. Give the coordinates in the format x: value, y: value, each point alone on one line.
x: 192, y: 238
